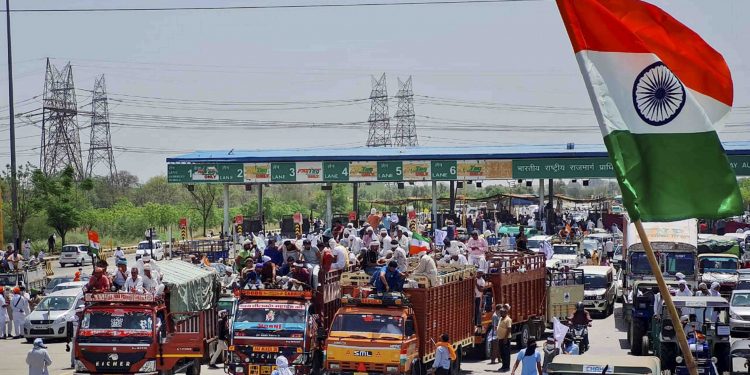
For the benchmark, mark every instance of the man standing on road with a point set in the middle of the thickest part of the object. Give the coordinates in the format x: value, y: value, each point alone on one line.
x: 119, y: 255
x: 492, y: 336
x: 20, y: 305
x: 444, y: 354
x: 221, y: 344
x: 38, y: 359
x: 3, y: 316
x: 503, y: 337
x: 51, y: 243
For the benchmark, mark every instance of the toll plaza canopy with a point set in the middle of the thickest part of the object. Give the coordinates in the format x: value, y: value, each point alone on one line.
x: 306, y: 165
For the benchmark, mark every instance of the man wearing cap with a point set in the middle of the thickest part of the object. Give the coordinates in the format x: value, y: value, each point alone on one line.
x: 228, y: 281
x: 714, y: 291
x: 38, y: 359
x: 120, y: 255
x: 403, y: 238
x: 389, y: 279
x: 150, y: 281
x: 120, y: 275
x: 373, y: 219
x: 221, y: 343
x: 683, y: 289
x: 399, y: 255
x: 477, y: 248
x: 427, y: 268
x: 385, y: 242
x: 340, y: 256
x: 134, y: 283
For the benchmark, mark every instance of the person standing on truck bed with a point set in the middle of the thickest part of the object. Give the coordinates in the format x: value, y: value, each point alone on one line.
x: 529, y: 358
x: 477, y: 248
x: 277, y: 257
x: 223, y: 337
x: 399, y: 255
x: 503, y: 337
x: 444, y: 354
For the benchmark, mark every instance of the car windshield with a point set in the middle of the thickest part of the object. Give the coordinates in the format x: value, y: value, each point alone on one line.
x: 63, y: 287
x: 370, y: 323
x: 144, y: 246
x: 594, y: 281
x: 8, y: 280
x: 534, y: 244
x: 741, y: 300
x: 58, y: 280
x: 70, y: 249
x: 56, y: 303
x: 591, y: 245
x: 564, y: 250
x: 126, y: 320
x: 719, y: 264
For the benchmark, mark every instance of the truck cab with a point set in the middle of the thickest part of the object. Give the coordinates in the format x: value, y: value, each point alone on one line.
x: 720, y: 268
x: 133, y: 333
x: 268, y: 323
x: 370, y: 335
x: 673, y: 258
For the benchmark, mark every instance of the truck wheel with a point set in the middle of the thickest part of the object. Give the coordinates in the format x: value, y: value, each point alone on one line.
x: 637, y: 331
x: 195, y: 369
x: 456, y: 365
x: 523, y: 337
x: 667, y: 354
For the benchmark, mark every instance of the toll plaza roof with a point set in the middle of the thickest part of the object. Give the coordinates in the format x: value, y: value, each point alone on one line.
x: 389, y: 164
x: 413, y: 153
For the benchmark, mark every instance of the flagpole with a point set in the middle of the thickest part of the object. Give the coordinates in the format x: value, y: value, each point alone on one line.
x: 678, y: 328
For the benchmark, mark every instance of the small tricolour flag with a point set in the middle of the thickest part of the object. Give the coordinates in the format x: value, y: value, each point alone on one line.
x: 657, y: 89
x: 418, y: 244
x: 94, y: 241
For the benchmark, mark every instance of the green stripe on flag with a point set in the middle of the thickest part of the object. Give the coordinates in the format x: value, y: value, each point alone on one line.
x: 417, y: 236
x: 667, y: 177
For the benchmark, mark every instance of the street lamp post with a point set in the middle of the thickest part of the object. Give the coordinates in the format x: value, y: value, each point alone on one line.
x: 11, y: 119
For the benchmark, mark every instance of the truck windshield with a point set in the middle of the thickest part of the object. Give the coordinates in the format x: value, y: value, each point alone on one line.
x: 269, y: 320
x: 117, y: 326
x: 591, y: 245
x: 594, y: 281
x: 56, y: 303
x: 533, y: 244
x: 8, y: 280
x: 719, y: 264
x: 564, y: 250
x: 671, y: 263
x: 370, y: 323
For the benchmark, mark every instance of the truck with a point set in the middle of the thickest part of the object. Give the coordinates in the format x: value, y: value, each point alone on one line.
x: 564, y: 290
x: 397, y: 333
x: 33, y: 277
x: 675, y: 246
x: 518, y: 280
x: 147, y: 334
x: 722, y: 269
x: 272, y: 322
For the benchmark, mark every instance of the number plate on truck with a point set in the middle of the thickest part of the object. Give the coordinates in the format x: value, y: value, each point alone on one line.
x: 266, y: 349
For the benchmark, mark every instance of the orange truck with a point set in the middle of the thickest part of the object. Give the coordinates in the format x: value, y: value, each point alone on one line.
x: 139, y: 333
x: 396, y: 334
x: 518, y: 280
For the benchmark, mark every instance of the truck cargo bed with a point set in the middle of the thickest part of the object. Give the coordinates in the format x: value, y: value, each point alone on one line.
x: 448, y: 308
x: 520, y: 281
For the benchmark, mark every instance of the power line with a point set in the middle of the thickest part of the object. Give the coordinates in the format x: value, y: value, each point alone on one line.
x: 258, y: 7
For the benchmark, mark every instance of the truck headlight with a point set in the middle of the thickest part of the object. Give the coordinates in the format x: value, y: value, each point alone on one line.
x: 334, y: 366
x: 239, y: 370
x: 149, y: 366
x: 391, y: 369
x: 80, y: 366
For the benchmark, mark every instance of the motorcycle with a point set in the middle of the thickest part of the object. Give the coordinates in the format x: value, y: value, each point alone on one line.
x: 580, y: 337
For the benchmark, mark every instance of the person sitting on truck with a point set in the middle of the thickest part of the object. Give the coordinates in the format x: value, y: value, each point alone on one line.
x: 368, y: 258
x: 399, y: 255
x: 427, y: 268
x: 300, y: 273
x: 276, y: 255
x: 150, y: 281
x: 99, y: 282
x: 310, y: 255
x: 120, y: 275
x: 134, y: 283
x: 229, y: 280
x: 389, y: 279
x: 268, y: 270
x: 444, y: 354
x: 340, y: 256
x: 290, y: 250
x: 287, y: 267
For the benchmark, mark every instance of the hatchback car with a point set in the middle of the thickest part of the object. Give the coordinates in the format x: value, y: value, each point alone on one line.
x: 739, y: 312
x: 50, y: 317
x: 77, y: 254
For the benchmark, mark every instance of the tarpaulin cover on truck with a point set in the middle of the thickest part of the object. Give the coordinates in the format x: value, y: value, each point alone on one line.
x: 190, y: 287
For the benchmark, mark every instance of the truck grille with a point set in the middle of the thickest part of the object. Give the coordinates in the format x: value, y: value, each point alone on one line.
x: 369, y: 367
x: 113, y: 363
x: 42, y: 321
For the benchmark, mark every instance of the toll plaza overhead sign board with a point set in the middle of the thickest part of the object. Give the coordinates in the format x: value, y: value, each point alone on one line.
x: 416, y: 170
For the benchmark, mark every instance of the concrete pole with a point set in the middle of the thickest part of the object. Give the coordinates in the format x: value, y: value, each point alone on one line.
x: 541, y: 202
x: 355, y: 200
x: 260, y: 206
x: 551, y: 226
x: 225, y: 227
x: 329, y: 205
x: 434, y: 207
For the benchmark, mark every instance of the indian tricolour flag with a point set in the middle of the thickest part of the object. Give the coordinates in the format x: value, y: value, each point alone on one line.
x: 418, y: 244
x: 657, y: 89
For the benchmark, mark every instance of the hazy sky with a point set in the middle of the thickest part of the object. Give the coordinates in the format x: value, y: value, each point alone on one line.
x: 505, y: 73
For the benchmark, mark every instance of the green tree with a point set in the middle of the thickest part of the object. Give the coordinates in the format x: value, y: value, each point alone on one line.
x: 204, y: 201
x: 62, y: 198
x: 28, y: 204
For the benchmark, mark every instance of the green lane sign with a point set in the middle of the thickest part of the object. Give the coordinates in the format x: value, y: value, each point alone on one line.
x: 336, y: 171
x: 444, y: 170
x: 205, y: 173
x: 284, y: 172
x: 390, y: 171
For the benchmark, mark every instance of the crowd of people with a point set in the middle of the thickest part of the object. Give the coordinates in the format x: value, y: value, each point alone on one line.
x: 141, y: 277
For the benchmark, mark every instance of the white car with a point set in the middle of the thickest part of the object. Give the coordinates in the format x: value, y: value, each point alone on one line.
x: 568, y: 255
x: 68, y: 285
x: 76, y: 254
x: 144, y: 249
x: 535, y: 242
x: 739, y: 312
x: 50, y: 317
